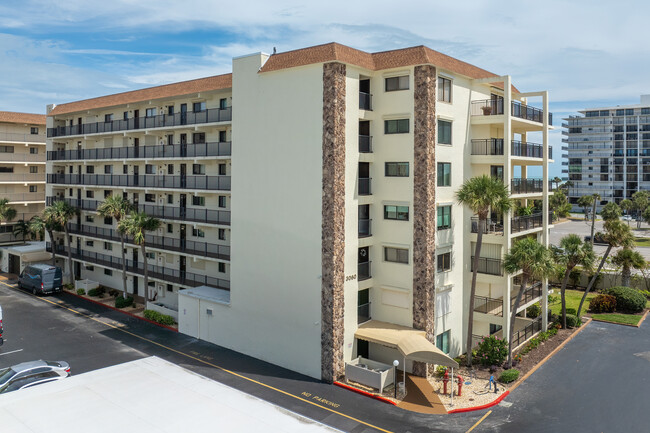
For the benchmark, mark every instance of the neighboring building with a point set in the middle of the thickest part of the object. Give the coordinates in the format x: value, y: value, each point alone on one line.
x: 344, y: 228
x: 22, y: 167
x: 609, y: 152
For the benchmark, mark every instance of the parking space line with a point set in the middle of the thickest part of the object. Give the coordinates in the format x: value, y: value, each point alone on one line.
x: 13, y: 351
x: 479, y: 421
x: 118, y: 328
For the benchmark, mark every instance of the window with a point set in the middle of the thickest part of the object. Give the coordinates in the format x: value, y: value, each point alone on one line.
x: 33, y: 130
x: 90, y: 243
x: 108, y: 272
x: 444, y: 132
x: 397, y: 83
x: 6, y: 169
x: 6, y: 149
x: 170, y: 110
x: 198, y: 169
x: 222, y: 268
x: 33, y: 168
x: 198, y: 137
x: 170, y: 168
x: 90, y: 219
x: 108, y: 246
x: 444, y: 217
x: 108, y: 117
x: 444, y: 262
x: 223, y: 103
x: 151, y: 198
x: 442, y: 341
x: 396, y: 213
x: 198, y: 106
x: 170, y: 198
x: 151, y: 256
x: 222, y: 201
x: 397, y: 255
x: 150, y: 112
x: 170, y: 288
x: 222, y: 136
x: 629, y: 111
x: 33, y: 188
x: 198, y: 201
x: 125, y: 115
x: 444, y: 174
x: 222, y: 169
x: 222, y: 234
x: 125, y: 169
x: 397, y: 169
x: 90, y: 194
x: 398, y: 126
x: 444, y: 89
x: 90, y: 169
x: 198, y: 233
x: 108, y: 220
x: 108, y: 169
x: 170, y: 228
x: 107, y: 193
x: 148, y: 169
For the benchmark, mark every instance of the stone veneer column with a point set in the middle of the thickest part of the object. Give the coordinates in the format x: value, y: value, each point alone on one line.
x: 333, y: 224
x: 424, y: 204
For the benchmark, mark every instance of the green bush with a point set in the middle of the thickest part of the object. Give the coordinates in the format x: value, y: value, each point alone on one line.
x: 120, y: 302
x: 69, y: 286
x: 157, y: 317
x: 492, y: 351
x: 81, y: 292
x: 534, y: 311
x: 571, y: 311
x: 628, y: 300
x: 114, y: 293
x: 509, y: 375
x: 603, y: 304
x: 99, y: 291
x: 440, y: 370
x: 573, y: 321
x: 645, y: 293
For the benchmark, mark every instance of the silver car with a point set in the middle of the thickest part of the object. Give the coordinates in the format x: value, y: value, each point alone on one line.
x: 24, y: 372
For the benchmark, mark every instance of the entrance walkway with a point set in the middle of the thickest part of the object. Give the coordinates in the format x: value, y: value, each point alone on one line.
x: 420, y: 397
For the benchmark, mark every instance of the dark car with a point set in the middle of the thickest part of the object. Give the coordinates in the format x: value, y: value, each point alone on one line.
x: 41, y: 279
x: 598, y: 239
x: 33, y: 369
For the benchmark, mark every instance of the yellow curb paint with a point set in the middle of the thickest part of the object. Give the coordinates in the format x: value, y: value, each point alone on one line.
x: 479, y: 421
x: 60, y: 305
x: 638, y: 325
x: 549, y: 356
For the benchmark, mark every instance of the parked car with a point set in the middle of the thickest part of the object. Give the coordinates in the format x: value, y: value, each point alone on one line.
x: 627, y: 218
x: 41, y: 279
x: 29, y: 381
x: 39, y: 370
x: 598, y: 239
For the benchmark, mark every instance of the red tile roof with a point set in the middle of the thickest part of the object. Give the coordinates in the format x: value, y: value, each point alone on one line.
x: 29, y: 118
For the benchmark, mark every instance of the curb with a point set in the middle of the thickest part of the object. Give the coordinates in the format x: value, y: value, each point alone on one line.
x: 362, y: 392
x: 638, y: 325
x: 484, y: 406
x: 121, y: 311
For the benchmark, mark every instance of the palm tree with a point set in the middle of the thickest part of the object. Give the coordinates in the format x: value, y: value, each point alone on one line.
x: 62, y: 213
x: 536, y: 262
x: 482, y: 195
x: 37, y: 227
x: 50, y: 224
x: 7, y: 213
x: 21, y: 227
x: 585, y: 202
x: 616, y: 234
x: 627, y: 205
x: 596, y: 198
x: 117, y: 207
x: 571, y: 253
x: 137, y: 225
x: 611, y: 211
x: 641, y: 199
x: 557, y: 182
x: 628, y: 259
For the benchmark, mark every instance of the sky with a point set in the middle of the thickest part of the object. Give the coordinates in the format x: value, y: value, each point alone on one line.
x: 585, y: 53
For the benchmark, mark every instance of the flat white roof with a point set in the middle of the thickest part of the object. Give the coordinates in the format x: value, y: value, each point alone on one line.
x: 141, y: 396
x: 29, y: 247
x: 208, y: 293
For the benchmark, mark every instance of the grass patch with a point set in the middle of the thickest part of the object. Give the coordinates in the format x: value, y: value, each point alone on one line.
x: 642, y: 242
x: 625, y: 319
x: 573, y: 298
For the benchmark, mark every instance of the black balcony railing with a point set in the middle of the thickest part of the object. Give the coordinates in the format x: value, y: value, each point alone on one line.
x: 164, y: 243
x: 487, y: 266
x: 527, y: 222
x: 189, y: 214
x: 162, y: 151
x: 491, y: 226
x: 365, y: 144
x: 520, y: 336
x: 492, y: 107
x: 526, y: 186
x: 210, y: 115
x: 363, y: 313
x: 364, y: 271
x: 485, y: 305
x: 491, y: 146
x: 364, y: 186
x: 529, y: 150
x: 220, y: 183
x: 532, y: 292
x: 365, y: 228
x: 163, y: 273
x: 365, y: 101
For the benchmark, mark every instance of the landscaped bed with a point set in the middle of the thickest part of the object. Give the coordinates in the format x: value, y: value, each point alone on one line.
x: 624, y: 319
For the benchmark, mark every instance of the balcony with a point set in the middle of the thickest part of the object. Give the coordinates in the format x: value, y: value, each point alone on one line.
x: 24, y: 196
x: 22, y: 157
x: 529, y: 150
x: 6, y: 137
x: 365, y: 144
x: 219, y: 183
x: 487, y: 266
x: 148, y: 152
x: 485, y: 305
x: 493, y: 107
x: 526, y: 330
x: 158, y: 272
x: 210, y: 115
x: 204, y: 249
x: 365, y: 101
x: 21, y: 177
x: 527, y: 222
x: 363, y: 313
x: 365, y: 228
x: 491, y: 146
x: 492, y: 227
x: 532, y: 293
x: 363, y: 271
x: 364, y: 186
x: 526, y: 186
x: 163, y: 212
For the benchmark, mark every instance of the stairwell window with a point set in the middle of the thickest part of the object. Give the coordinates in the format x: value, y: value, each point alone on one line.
x: 444, y: 262
x: 442, y: 341
x: 397, y: 83
x: 396, y: 255
x: 400, y: 213
x: 397, y: 169
x: 444, y: 174
x: 444, y: 131
x: 396, y: 126
x: 444, y: 217
x: 444, y: 89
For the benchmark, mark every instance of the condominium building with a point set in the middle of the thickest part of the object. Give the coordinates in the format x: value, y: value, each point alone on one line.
x: 319, y: 221
x: 22, y: 167
x: 609, y: 152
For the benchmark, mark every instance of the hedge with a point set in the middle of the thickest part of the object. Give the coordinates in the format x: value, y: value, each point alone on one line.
x: 120, y: 302
x: 81, y: 292
x: 98, y: 291
x: 509, y: 375
x: 603, y: 304
x: 157, y: 317
x: 628, y: 300
x: 573, y: 321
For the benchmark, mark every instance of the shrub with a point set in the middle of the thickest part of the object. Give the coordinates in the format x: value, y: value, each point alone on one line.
x: 509, y: 375
x: 114, y: 293
x: 645, y: 293
x: 157, y: 317
x: 573, y: 321
x: 534, y: 311
x: 81, y: 292
x: 603, y: 304
x: 492, y: 351
x: 120, y: 302
x: 440, y: 370
x: 98, y: 291
x: 627, y: 299
x: 571, y: 311
x: 69, y: 286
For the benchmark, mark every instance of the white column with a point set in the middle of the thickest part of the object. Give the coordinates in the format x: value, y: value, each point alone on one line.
x: 507, y: 177
x: 545, y: 210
